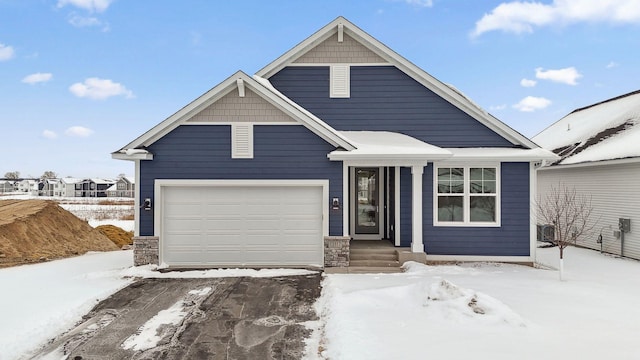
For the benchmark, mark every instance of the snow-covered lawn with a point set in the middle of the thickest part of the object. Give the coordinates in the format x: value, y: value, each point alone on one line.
x: 40, y: 301
x: 478, y: 311
x: 487, y: 311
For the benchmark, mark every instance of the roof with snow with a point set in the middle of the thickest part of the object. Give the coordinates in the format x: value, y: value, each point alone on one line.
x: 608, y: 130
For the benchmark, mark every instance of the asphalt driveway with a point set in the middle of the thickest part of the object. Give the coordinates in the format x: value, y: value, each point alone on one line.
x: 216, y: 318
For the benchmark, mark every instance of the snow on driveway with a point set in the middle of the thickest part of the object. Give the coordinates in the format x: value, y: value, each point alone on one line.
x: 519, y: 312
x: 40, y: 301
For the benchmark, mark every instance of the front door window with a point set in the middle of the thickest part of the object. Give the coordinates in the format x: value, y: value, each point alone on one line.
x: 367, y: 201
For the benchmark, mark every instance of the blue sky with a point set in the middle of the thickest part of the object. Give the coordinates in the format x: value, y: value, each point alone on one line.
x: 82, y: 78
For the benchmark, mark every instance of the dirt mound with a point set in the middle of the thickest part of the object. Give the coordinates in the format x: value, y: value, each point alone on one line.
x: 37, y: 230
x: 117, y: 235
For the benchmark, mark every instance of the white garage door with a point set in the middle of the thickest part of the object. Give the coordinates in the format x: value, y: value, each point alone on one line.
x: 241, y: 225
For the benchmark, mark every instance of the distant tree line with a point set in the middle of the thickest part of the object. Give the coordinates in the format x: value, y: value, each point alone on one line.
x: 15, y: 175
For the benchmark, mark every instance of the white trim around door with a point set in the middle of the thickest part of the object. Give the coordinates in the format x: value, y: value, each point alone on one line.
x: 354, y: 201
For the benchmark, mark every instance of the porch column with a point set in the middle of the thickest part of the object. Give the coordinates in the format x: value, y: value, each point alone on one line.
x: 416, y: 208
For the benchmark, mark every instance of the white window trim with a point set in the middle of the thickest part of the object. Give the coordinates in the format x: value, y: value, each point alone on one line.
x: 332, y: 81
x: 237, y: 153
x: 467, y: 195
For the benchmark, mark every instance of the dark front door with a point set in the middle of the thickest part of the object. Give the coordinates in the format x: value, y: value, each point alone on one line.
x: 367, y: 202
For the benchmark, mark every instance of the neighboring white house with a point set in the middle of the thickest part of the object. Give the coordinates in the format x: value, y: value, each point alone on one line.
x: 50, y: 187
x: 7, y: 186
x: 599, y: 146
x: 29, y: 186
x: 70, y: 187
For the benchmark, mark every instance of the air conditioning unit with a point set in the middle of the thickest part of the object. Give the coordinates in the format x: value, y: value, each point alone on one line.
x: 546, y: 233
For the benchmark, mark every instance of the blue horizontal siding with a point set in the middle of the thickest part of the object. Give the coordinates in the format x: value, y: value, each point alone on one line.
x: 383, y: 98
x: 510, y: 239
x: 204, y: 152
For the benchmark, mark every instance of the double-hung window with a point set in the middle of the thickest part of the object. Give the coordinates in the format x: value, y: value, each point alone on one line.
x: 467, y: 196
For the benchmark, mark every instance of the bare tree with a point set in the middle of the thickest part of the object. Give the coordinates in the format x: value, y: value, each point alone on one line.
x: 568, y: 212
x: 49, y: 175
x: 13, y: 175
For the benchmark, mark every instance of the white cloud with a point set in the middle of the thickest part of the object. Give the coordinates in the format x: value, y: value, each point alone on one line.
x: 78, y: 131
x: 498, y: 107
x: 419, y: 3
x: 49, y: 134
x: 37, y: 78
x: 98, y: 89
x: 523, y: 16
x: 612, y: 64
x: 528, y: 83
x: 6, y: 52
x: 87, y: 21
x: 84, y: 21
x: 90, y: 5
x: 532, y: 103
x: 565, y: 76
x: 423, y: 3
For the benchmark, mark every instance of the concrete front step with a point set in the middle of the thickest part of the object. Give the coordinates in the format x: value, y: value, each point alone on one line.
x: 362, y: 270
x: 373, y: 256
x: 374, y: 263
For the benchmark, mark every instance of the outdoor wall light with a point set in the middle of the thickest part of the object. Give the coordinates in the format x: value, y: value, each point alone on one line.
x: 146, y: 204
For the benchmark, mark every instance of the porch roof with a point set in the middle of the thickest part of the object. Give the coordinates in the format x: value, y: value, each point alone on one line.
x: 385, y: 147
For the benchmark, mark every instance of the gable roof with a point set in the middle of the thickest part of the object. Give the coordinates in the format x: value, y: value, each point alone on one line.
x: 135, y: 149
x: 70, y: 180
x: 447, y: 92
x: 607, y: 130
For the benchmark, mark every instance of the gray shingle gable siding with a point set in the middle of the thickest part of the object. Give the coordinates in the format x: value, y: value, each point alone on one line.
x: 383, y: 98
x: 204, y: 152
x: 511, y: 239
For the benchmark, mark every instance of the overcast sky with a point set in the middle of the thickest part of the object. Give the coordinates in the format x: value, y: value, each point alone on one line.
x: 82, y: 78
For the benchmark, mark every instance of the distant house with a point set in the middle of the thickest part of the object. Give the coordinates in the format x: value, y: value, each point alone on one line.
x: 70, y: 187
x: 124, y: 187
x: 7, y: 186
x: 599, y: 149
x: 49, y: 187
x: 95, y: 187
x: 29, y: 186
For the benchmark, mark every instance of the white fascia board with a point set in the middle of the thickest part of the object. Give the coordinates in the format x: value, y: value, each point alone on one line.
x: 137, y: 156
x: 501, y: 154
x: 385, y: 159
x: 591, y: 164
x: 186, y: 112
x: 404, y: 65
x: 301, y: 48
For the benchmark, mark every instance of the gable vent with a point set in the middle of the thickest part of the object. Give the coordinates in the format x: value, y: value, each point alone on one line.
x: 242, y: 141
x: 340, y: 81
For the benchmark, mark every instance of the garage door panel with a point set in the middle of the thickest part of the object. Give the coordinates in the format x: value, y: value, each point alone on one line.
x: 182, y: 224
x: 222, y: 209
x: 222, y: 223
x: 243, y: 226
x: 184, y: 239
x: 180, y: 209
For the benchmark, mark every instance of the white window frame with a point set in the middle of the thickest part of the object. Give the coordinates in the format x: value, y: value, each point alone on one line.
x: 467, y: 195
